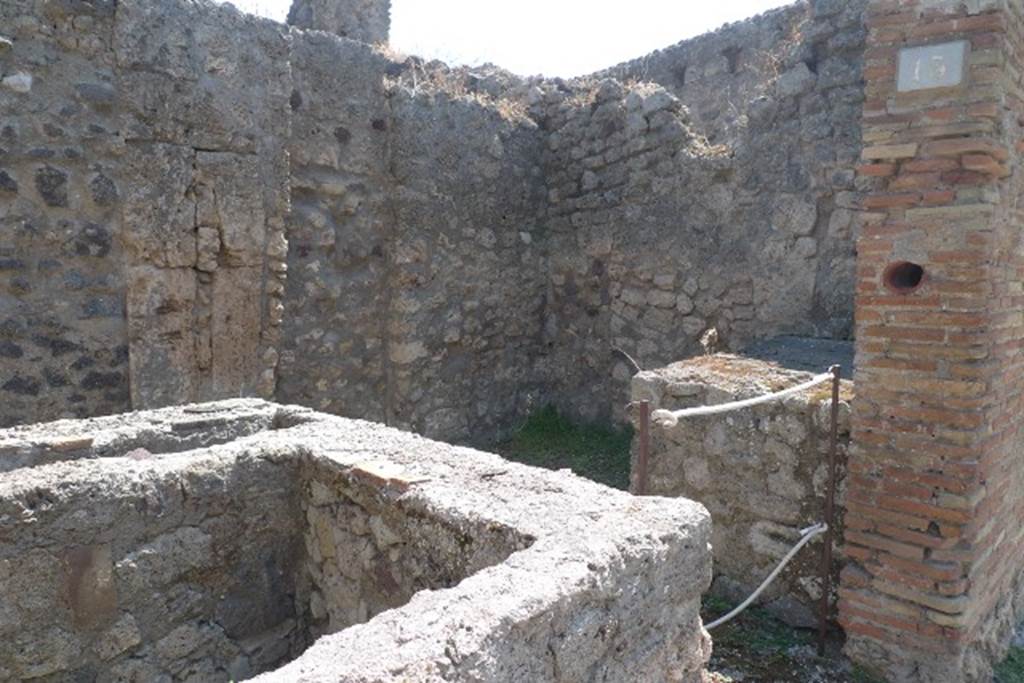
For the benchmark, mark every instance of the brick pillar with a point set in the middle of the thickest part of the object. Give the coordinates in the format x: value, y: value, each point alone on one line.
x: 934, y: 513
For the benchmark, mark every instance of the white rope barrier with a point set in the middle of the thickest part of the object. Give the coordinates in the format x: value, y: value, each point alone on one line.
x: 670, y: 418
x: 806, y: 536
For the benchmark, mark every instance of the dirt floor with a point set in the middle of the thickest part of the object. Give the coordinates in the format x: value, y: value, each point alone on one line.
x: 758, y: 648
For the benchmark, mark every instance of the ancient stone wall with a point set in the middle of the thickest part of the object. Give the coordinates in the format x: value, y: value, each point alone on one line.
x: 339, y: 231
x: 650, y: 236
x: 147, y: 266
x: 367, y: 553
x: 783, y: 91
x: 205, y: 186
x: 639, y: 209
x: 416, y: 291
x: 147, y: 189
x: 761, y: 472
x: 63, y: 329
x: 465, y: 245
x: 748, y: 232
x: 469, y: 258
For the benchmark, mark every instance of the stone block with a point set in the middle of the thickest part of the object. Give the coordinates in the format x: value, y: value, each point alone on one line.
x: 236, y: 318
x: 201, y: 76
x: 159, y: 210
x: 368, y: 21
x: 234, y: 205
x: 161, y: 306
x: 890, y: 152
x: 755, y: 469
x: 796, y: 81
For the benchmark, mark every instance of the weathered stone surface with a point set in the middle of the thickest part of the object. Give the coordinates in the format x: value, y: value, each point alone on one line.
x: 148, y: 562
x: 761, y: 472
x: 52, y: 186
x: 170, y: 430
x: 794, y: 216
x: 161, y: 303
x: 368, y: 21
x: 235, y: 314
x: 159, y: 213
x: 204, y: 191
x: 333, y: 353
x: 470, y: 290
x: 20, y: 82
x: 797, y: 81
x: 119, y: 638
x: 8, y: 183
x: 227, y: 561
x: 61, y: 282
x: 97, y: 95
x: 742, y: 219
x: 103, y: 190
x: 229, y: 197
x: 223, y: 86
x: 458, y: 238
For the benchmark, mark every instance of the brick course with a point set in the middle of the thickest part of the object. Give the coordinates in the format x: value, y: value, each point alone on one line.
x: 933, y: 551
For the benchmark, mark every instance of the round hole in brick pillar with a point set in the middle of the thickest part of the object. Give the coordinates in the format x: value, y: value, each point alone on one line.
x: 903, y: 277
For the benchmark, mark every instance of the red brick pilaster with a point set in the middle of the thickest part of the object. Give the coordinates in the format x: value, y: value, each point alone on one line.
x: 937, y: 415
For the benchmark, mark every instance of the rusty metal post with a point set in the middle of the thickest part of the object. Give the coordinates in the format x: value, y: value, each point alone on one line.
x: 645, y: 448
x: 830, y: 502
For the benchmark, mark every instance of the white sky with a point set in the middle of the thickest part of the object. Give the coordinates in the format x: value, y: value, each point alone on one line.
x: 550, y: 37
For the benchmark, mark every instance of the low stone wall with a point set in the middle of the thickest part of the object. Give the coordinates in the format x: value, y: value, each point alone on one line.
x: 761, y: 472
x: 367, y: 553
x: 438, y: 562
x: 176, y: 568
x: 168, y: 430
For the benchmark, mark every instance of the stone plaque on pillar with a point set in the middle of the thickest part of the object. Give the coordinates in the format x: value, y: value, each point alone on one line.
x: 932, y: 66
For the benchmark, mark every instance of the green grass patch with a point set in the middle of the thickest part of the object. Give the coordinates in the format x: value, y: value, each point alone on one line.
x: 754, y: 628
x: 766, y: 650
x: 860, y: 675
x: 549, y: 439
x: 1012, y: 668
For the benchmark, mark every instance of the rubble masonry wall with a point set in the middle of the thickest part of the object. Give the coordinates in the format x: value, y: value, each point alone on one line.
x: 762, y: 472
x: 462, y: 245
